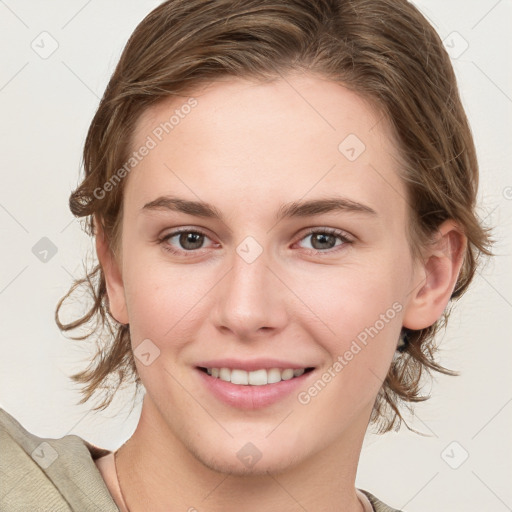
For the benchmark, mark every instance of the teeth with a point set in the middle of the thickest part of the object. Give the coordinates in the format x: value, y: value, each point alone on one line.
x: 254, y: 378
x: 225, y: 374
x: 239, y: 377
x: 287, y: 374
x: 273, y: 375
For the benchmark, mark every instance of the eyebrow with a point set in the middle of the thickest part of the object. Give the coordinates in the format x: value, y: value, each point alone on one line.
x: 289, y: 210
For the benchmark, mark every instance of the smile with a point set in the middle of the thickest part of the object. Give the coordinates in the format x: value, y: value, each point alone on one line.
x: 259, y: 377
x: 253, y: 388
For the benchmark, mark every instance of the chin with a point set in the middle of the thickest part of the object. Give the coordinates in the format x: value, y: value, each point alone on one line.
x: 246, y: 459
x: 233, y: 467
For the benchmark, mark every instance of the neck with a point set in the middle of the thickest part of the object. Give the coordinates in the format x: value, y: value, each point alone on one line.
x: 158, y: 472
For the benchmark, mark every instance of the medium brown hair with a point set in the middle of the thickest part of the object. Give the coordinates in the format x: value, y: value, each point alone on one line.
x: 384, y: 50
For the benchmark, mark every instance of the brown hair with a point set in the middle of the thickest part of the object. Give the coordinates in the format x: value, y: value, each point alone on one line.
x: 384, y: 50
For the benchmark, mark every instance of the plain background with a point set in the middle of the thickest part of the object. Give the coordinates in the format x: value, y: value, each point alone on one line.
x: 463, y: 463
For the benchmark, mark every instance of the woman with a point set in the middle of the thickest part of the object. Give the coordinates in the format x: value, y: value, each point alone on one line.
x: 281, y: 217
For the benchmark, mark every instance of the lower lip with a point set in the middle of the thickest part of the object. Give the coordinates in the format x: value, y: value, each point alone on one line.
x: 251, y: 397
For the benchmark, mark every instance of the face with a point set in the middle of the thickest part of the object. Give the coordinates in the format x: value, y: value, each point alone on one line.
x: 295, y: 258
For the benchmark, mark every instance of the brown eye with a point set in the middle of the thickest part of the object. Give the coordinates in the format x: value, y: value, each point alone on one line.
x: 323, y: 241
x: 183, y: 241
x: 326, y: 240
x: 190, y: 240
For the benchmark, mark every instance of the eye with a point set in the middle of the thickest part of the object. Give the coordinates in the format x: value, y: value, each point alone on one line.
x: 325, y: 240
x: 188, y: 240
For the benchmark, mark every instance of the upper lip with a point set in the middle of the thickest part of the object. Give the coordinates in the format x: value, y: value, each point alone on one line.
x: 253, y: 364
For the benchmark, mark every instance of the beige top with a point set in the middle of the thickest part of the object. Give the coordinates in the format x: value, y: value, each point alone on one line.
x: 69, y: 474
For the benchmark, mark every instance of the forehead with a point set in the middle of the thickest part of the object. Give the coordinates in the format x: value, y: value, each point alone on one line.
x: 256, y: 141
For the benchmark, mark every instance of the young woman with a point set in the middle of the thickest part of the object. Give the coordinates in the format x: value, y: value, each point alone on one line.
x: 282, y: 195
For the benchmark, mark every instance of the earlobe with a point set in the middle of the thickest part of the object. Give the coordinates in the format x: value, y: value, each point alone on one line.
x: 436, y: 277
x: 113, y: 276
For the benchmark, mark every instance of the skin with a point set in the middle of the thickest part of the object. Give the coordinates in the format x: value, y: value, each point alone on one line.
x: 246, y: 148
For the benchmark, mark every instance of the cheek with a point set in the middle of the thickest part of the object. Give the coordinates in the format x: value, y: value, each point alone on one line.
x: 163, y: 301
x: 367, y: 324
x: 164, y: 308
x: 348, y: 300
x: 361, y: 317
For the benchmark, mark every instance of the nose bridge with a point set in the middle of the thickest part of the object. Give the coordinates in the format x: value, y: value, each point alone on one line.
x: 251, y: 297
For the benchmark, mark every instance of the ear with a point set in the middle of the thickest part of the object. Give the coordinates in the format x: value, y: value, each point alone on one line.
x: 113, y: 276
x: 435, y: 277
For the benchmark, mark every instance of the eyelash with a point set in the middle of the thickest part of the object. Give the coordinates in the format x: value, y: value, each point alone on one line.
x: 341, y: 235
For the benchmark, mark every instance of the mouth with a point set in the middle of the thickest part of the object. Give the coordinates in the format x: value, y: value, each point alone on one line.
x: 261, y: 377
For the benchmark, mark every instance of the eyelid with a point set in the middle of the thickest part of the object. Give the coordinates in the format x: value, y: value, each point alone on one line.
x: 332, y: 231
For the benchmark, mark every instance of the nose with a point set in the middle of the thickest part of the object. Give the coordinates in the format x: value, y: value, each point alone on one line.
x: 251, y: 300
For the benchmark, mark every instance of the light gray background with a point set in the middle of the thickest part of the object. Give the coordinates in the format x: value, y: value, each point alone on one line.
x: 46, y: 106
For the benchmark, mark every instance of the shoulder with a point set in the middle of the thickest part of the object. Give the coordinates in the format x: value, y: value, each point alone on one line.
x: 49, y: 474
x: 378, y: 505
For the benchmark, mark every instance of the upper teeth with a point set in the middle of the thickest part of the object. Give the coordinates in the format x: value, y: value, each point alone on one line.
x: 255, y: 378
